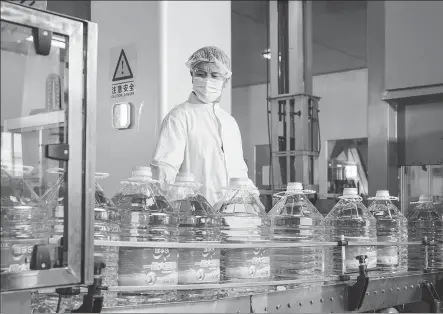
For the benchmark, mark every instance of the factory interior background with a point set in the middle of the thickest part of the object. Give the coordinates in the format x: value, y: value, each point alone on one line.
x: 339, y: 67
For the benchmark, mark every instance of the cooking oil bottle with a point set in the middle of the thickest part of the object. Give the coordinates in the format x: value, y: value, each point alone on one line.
x: 294, y: 219
x: 350, y: 218
x: 147, y: 216
x: 391, y: 227
x: 106, y: 227
x: 425, y: 221
x: 197, y: 223
x: 244, y: 221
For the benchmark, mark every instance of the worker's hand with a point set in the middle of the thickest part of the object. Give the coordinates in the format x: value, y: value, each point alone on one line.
x: 254, y: 191
x: 159, y: 174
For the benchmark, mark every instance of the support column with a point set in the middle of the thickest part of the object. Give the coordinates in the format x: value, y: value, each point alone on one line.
x: 382, y: 138
x: 293, y: 108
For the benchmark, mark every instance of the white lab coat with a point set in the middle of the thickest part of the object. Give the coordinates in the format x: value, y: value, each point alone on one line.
x: 202, y: 139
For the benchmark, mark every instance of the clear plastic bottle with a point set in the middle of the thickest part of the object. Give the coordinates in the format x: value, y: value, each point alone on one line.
x: 391, y: 227
x: 106, y: 227
x: 146, y: 216
x: 23, y: 223
x: 425, y: 221
x: 351, y: 218
x: 244, y: 220
x: 294, y: 219
x: 197, y: 222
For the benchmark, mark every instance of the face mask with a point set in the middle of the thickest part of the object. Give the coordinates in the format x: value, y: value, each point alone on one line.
x: 207, y: 90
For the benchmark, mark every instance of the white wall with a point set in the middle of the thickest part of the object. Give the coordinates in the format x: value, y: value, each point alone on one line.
x: 192, y: 25
x: 166, y: 34
x: 343, y: 113
x: 121, y: 23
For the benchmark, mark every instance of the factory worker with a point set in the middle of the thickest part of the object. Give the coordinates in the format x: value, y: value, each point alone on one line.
x: 198, y: 136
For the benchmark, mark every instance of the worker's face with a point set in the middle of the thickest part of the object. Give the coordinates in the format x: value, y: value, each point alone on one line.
x: 208, y: 70
x: 208, y: 82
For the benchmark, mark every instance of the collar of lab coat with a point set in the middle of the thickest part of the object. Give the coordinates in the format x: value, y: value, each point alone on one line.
x: 193, y: 99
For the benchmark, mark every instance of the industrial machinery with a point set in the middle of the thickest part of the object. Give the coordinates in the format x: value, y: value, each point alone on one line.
x: 48, y: 119
x: 54, y: 111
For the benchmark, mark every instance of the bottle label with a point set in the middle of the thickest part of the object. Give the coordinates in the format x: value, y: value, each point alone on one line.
x: 59, y: 211
x: 16, y: 254
x: 388, y: 256
x: 247, y: 263
x: 199, y: 266
x: 147, y: 266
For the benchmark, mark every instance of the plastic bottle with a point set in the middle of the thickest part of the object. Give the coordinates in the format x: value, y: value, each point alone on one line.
x: 23, y: 223
x: 425, y: 221
x: 244, y: 220
x: 391, y: 227
x: 351, y: 218
x: 294, y: 219
x: 146, y: 216
x: 197, y: 222
x: 106, y: 227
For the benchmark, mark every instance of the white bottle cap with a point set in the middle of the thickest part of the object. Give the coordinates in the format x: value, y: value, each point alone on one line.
x: 350, y: 191
x: 382, y: 194
x: 294, y: 186
x: 185, y: 177
x: 238, y: 182
x: 143, y: 171
x: 425, y: 198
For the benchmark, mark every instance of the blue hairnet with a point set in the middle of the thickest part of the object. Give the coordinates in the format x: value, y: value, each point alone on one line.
x: 213, y: 55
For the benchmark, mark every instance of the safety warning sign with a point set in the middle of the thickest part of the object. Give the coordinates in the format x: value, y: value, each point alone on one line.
x: 123, y: 71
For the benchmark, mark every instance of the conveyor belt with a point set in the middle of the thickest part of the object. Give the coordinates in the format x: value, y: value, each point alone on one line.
x: 329, y: 298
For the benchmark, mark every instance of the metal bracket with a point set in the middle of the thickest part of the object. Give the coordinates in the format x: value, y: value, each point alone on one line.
x: 430, y: 296
x: 93, y: 301
x: 357, y: 292
x: 57, y: 151
x: 40, y: 258
x: 42, y: 41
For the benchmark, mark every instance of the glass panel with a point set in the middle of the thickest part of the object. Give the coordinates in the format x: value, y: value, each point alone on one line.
x: 422, y: 180
x: 33, y: 89
x: 347, y: 166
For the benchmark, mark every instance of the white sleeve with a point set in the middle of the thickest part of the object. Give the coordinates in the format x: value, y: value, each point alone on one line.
x: 170, y: 150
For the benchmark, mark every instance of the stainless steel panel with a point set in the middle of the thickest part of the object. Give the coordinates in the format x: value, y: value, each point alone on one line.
x: 420, y: 133
x: 35, y: 18
x: 90, y: 154
x: 381, y: 293
x: 413, y: 50
x: 231, y: 305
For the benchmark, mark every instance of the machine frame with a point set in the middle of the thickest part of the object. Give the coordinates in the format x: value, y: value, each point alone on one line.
x: 80, y: 117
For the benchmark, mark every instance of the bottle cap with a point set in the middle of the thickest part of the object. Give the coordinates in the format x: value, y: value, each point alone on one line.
x: 185, y: 177
x: 294, y: 186
x: 382, y: 194
x: 425, y: 198
x: 238, y: 182
x: 350, y: 191
x: 143, y: 171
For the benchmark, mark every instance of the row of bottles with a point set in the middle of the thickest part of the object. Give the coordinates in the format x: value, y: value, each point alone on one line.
x: 140, y: 212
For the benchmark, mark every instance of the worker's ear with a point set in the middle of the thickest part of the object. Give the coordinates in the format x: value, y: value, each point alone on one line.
x: 225, y: 83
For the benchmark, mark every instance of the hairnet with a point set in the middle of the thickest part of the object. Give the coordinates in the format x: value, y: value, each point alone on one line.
x: 214, y: 55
